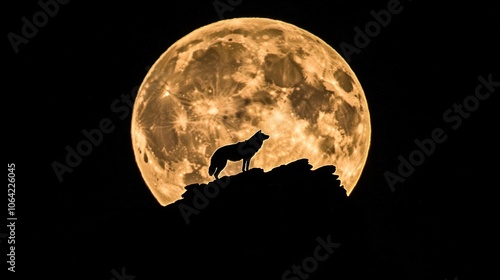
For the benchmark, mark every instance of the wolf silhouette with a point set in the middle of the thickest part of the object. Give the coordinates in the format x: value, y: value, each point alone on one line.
x: 234, y: 152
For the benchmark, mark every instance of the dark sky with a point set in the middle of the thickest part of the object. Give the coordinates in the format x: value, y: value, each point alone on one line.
x: 419, y: 72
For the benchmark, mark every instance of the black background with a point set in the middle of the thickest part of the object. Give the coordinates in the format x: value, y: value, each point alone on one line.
x: 438, y: 224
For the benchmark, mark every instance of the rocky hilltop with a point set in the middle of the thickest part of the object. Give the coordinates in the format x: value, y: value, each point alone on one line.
x: 292, y: 221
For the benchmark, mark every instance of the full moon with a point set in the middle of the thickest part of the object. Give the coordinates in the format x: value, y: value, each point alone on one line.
x: 223, y: 82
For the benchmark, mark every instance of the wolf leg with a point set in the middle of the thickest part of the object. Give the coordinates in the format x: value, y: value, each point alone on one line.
x: 246, y: 164
x: 219, y: 168
x: 243, y: 165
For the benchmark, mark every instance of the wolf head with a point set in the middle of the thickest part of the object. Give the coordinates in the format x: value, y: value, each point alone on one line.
x: 258, y: 139
x: 261, y: 136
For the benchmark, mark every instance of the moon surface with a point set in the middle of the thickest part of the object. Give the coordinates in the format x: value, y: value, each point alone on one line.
x: 224, y: 81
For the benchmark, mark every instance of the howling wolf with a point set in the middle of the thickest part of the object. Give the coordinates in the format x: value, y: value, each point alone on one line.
x: 240, y: 151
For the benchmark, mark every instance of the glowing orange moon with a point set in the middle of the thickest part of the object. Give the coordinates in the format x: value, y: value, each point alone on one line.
x: 224, y: 81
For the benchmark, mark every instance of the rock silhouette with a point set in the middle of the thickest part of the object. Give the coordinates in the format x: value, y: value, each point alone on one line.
x: 257, y: 226
x: 292, y: 222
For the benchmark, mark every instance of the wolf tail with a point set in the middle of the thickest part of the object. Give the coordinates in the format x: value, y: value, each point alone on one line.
x: 211, y: 169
